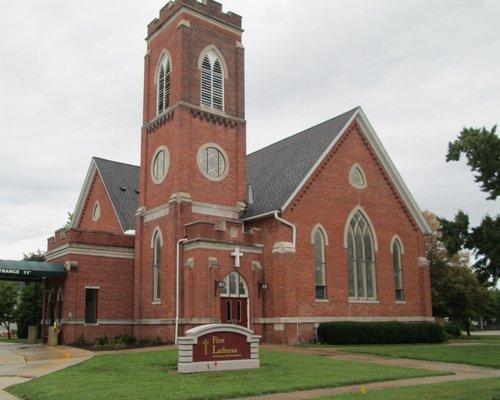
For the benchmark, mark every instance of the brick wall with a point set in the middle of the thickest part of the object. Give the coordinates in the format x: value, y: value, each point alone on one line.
x: 108, y: 221
x: 328, y: 199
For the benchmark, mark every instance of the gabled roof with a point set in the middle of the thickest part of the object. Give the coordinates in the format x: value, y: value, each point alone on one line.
x: 122, y: 186
x: 277, y: 170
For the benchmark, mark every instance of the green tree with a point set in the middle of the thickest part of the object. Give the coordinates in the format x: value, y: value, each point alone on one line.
x: 483, y: 241
x: 493, y: 314
x: 68, y: 221
x: 29, y: 310
x: 482, y: 151
x: 456, y: 291
x: 8, y: 302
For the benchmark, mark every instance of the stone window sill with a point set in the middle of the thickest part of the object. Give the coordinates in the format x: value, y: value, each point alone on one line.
x: 400, y: 302
x: 90, y: 324
x: 322, y: 300
x: 156, y: 302
x: 356, y: 301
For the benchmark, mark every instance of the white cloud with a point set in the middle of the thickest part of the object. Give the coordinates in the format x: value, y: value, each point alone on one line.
x: 71, y: 84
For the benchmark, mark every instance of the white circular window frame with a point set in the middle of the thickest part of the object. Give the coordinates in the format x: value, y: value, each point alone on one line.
x: 200, y: 166
x: 353, y: 184
x: 167, y: 156
x: 96, y: 211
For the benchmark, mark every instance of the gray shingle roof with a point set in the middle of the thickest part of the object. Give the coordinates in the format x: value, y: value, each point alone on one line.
x: 117, y: 175
x: 276, y: 170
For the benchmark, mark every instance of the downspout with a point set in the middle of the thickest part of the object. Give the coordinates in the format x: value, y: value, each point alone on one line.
x: 294, y: 229
x: 177, y: 273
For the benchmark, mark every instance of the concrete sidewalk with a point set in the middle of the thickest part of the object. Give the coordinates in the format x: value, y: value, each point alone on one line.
x: 21, y: 362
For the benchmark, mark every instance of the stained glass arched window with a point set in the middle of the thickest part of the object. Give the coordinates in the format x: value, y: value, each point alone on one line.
x: 361, y: 259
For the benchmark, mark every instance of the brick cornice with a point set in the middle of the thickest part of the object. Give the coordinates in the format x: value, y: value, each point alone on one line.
x: 201, y: 112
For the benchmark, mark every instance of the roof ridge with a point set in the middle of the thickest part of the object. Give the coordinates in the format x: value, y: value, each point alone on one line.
x: 116, y: 162
x: 304, y: 130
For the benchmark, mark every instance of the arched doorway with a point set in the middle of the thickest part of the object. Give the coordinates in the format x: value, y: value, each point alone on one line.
x: 234, y: 300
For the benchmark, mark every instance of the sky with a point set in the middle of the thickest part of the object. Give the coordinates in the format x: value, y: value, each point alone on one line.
x: 71, y: 76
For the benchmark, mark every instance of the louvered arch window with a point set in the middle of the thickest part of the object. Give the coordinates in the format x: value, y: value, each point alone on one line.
x: 212, y: 81
x: 361, y: 259
x: 163, y: 84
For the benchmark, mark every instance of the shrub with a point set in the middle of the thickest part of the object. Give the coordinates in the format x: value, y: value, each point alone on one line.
x: 80, y: 340
x: 127, y: 340
x: 453, y: 330
x: 102, y: 341
x: 380, y: 333
x: 118, y: 342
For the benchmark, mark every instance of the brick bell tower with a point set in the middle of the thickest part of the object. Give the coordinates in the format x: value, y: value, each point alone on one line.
x: 193, y: 145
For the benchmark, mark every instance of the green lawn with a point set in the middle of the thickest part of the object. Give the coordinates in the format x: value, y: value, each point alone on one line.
x: 484, y: 354
x: 13, y: 340
x: 493, y: 339
x: 153, y: 375
x: 482, y: 389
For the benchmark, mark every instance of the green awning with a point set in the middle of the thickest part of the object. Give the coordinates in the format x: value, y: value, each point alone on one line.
x: 29, y: 270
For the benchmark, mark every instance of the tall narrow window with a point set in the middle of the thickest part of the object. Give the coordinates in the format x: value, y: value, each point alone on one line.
x: 319, y: 264
x: 398, y: 270
x: 91, y: 296
x: 212, y: 81
x: 157, y: 267
x: 163, y: 84
x: 361, y: 259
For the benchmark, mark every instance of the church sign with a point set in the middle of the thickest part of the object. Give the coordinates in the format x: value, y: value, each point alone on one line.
x: 218, y: 347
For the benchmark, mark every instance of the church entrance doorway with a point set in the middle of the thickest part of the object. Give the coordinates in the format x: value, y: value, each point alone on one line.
x: 234, y: 300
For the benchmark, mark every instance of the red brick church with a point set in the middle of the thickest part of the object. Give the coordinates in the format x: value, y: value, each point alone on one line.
x: 316, y: 227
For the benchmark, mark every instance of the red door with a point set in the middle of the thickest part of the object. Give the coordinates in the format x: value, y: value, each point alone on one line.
x: 234, y: 311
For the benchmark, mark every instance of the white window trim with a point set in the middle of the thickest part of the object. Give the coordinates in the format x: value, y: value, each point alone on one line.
x: 348, y: 221
x: 202, y: 170
x: 237, y: 296
x: 325, y: 243
x: 394, y: 238
x: 363, y: 175
x: 375, y: 248
x: 400, y: 243
x: 323, y: 230
x: 167, y: 162
x: 96, y: 211
x: 213, y: 48
x: 164, y: 53
x: 156, y: 233
x: 207, y: 50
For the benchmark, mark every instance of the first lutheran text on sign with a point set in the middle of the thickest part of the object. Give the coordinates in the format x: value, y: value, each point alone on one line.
x: 218, y: 347
x: 221, y: 346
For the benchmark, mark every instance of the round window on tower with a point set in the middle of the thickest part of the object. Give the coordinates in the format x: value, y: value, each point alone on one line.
x: 160, y: 164
x: 213, y: 162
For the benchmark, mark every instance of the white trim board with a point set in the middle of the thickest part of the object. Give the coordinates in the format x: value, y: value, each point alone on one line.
x: 82, y: 198
x: 360, y: 117
x: 90, y: 250
x: 310, y: 320
x: 205, y: 244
